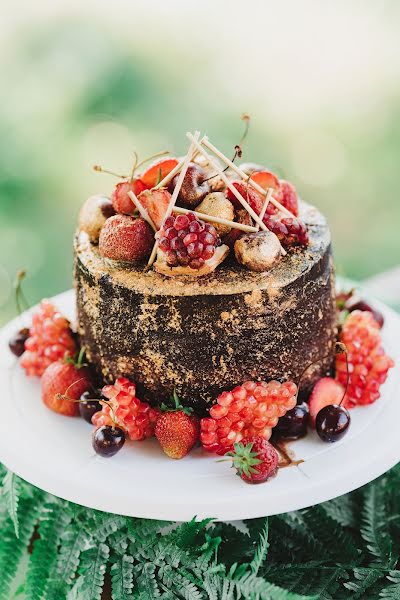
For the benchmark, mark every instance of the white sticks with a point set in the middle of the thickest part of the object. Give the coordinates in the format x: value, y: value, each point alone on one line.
x: 175, y: 170
x: 211, y: 219
x: 143, y: 212
x: 177, y: 189
x: 266, y: 202
x: 243, y: 175
x: 234, y: 191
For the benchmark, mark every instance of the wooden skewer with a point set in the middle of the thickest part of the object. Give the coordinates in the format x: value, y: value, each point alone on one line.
x: 266, y: 202
x: 175, y: 170
x: 234, y: 191
x: 177, y: 189
x: 211, y: 219
x: 205, y: 141
x: 141, y: 209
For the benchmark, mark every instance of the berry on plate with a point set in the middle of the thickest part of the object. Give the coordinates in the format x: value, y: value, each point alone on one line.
x: 157, y: 171
x: 287, y: 196
x: 120, y: 199
x: 126, y: 239
x: 177, y: 429
x: 251, y: 409
x: 63, y: 383
x: 93, y: 214
x: 325, y: 392
x: 107, y: 440
x: 368, y: 362
x: 50, y: 339
x: 332, y: 422
x: 156, y: 203
x: 17, y: 341
x: 89, y: 404
x: 254, y: 459
x: 293, y: 425
x: 124, y: 409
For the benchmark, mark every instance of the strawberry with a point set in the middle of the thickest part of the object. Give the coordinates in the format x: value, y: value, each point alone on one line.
x: 157, y: 171
x: 325, y: 392
x: 265, y: 179
x: 249, y: 194
x: 156, y: 203
x: 287, y: 196
x: 126, y: 239
x: 254, y: 459
x: 63, y: 382
x: 120, y: 199
x: 177, y: 429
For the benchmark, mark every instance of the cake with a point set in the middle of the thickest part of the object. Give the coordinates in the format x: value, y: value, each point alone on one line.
x: 206, y: 313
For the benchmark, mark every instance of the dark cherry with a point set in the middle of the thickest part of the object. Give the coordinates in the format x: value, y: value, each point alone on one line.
x: 17, y: 342
x: 194, y: 187
x: 108, y: 440
x: 89, y: 405
x: 332, y: 422
x: 362, y: 305
x: 294, y: 423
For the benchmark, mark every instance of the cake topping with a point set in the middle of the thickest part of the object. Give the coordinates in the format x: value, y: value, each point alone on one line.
x: 194, y: 186
x: 93, y: 214
x: 217, y: 205
x: 124, y: 238
x: 155, y: 203
x: 158, y: 171
x: 258, y: 251
x: 120, y: 198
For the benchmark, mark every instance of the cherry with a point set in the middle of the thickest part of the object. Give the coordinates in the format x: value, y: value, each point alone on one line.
x: 89, y: 405
x: 294, y: 423
x: 194, y: 187
x: 17, y: 341
x: 332, y: 422
x: 108, y: 440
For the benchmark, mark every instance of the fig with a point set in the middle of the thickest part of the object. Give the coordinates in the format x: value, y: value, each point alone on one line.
x: 217, y: 205
x: 258, y: 251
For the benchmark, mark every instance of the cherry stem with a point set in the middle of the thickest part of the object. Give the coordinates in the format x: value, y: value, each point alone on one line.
x: 135, y: 161
x: 145, y: 160
x: 19, y: 295
x: 347, y: 378
x: 99, y: 169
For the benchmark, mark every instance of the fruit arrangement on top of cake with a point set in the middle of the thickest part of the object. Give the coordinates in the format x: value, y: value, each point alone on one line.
x: 206, y: 313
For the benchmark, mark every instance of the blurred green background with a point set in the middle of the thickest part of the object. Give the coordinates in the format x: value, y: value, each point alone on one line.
x: 86, y: 83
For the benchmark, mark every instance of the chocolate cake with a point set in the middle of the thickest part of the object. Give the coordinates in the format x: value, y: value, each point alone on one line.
x: 204, y: 335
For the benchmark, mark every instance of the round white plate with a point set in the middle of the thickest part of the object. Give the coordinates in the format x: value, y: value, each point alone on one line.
x: 54, y: 453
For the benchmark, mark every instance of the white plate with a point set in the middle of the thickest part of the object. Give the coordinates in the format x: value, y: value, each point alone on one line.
x: 55, y: 453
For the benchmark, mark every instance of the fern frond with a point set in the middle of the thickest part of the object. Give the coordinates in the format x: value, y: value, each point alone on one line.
x: 342, y: 510
x: 326, y: 529
x: 260, y: 554
x: 145, y: 580
x: 122, y: 578
x: 11, y: 490
x: 107, y: 524
x: 92, y: 571
x: 392, y: 591
x: 363, y: 580
x: 374, y: 529
x: 73, y: 542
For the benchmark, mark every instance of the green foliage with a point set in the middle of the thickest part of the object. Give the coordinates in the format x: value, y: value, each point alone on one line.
x: 346, y: 548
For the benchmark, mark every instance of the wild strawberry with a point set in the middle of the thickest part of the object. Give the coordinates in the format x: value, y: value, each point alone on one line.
x: 126, y: 239
x: 290, y: 232
x: 63, y: 382
x: 177, y: 429
x: 249, y: 410
x: 156, y: 203
x: 124, y: 409
x: 120, y: 199
x: 368, y: 362
x: 287, y: 196
x: 327, y: 391
x: 50, y: 339
x: 157, y: 171
x: 188, y: 241
x: 255, y: 459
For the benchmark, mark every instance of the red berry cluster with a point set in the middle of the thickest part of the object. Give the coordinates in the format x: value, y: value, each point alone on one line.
x: 368, y: 363
x: 50, y: 338
x: 290, y: 231
x: 124, y: 409
x: 251, y: 409
x: 187, y: 241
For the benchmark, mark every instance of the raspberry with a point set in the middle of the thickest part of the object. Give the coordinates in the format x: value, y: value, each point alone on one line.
x: 291, y: 232
x: 368, y: 362
x: 50, y: 338
x: 135, y: 417
x: 188, y: 241
x: 251, y: 409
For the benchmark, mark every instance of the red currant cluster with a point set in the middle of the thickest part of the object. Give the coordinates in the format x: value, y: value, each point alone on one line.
x: 368, y: 362
x: 188, y: 241
x: 124, y: 409
x: 50, y: 338
x: 251, y: 409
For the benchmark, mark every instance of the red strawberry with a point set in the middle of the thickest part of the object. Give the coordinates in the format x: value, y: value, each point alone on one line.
x: 255, y: 460
x: 126, y: 239
x: 177, y: 429
x: 242, y: 216
x: 287, y: 196
x: 266, y: 179
x: 120, y: 199
x: 156, y: 203
x: 249, y: 193
x: 62, y: 383
x: 326, y: 391
x: 157, y: 171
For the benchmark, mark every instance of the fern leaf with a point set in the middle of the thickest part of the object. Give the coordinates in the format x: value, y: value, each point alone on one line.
x: 122, y: 578
x: 374, y: 525
x: 326, y: 529
x: 73, y: 542
x: 342, y: 510
x: 258, y: 588
x: 364, y: 579
x: 92, y: 569
x: 107, y: 524
x: 392, y: 591
x: 146, y: 581
x: 260, y: 554
x: 53, y: 521
x: 11, y: 491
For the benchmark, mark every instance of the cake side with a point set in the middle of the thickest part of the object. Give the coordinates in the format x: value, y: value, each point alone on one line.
x: 200, y: 337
